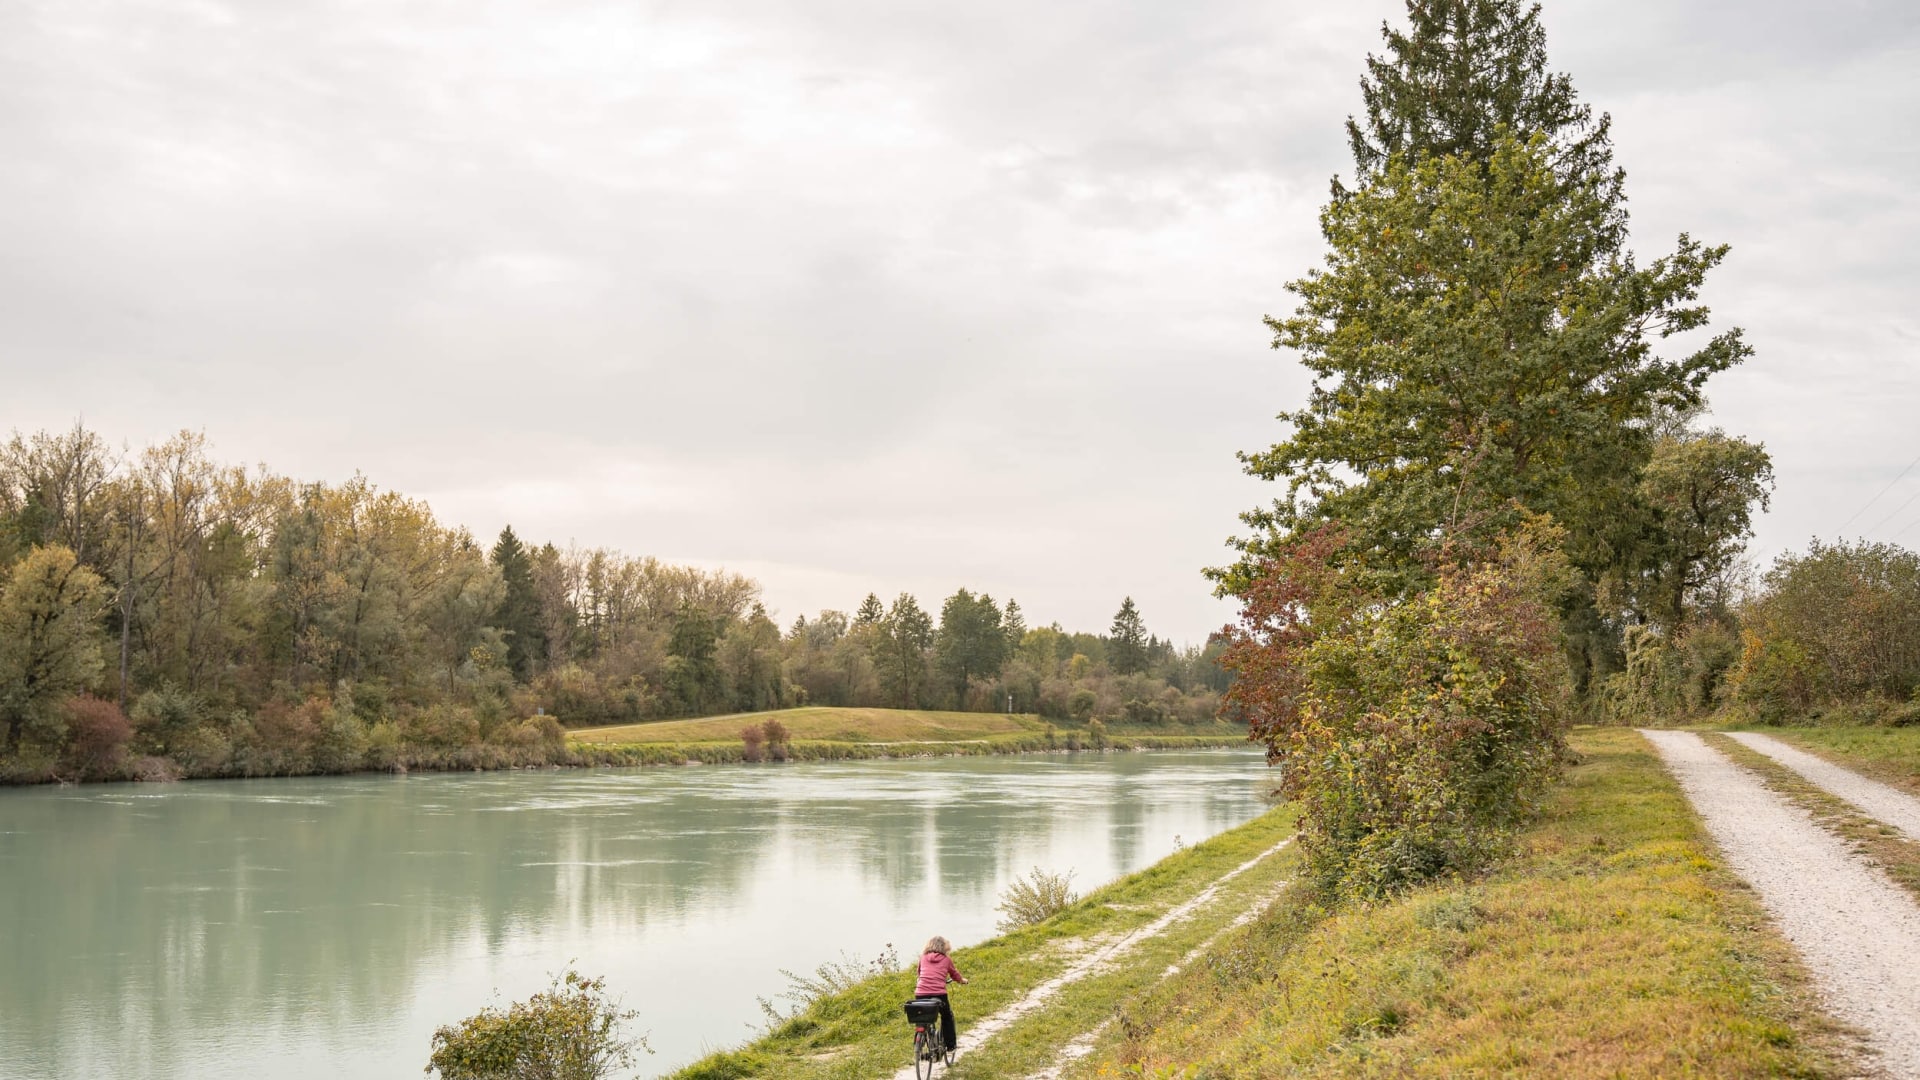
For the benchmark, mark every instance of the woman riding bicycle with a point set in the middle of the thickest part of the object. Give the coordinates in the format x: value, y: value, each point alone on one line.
x: 936, y: 970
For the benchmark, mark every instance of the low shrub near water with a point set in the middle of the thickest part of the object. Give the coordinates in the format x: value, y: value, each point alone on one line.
x: 570, y: 1031
x: 1035, y: 898
x: 831, y: 978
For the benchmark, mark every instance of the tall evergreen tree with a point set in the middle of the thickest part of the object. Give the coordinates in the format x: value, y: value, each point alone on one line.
x: 519, y: 613
x: 870, y: 612
x: 1127, y: 641
x: 1462, y: 73
x: 1479, y: 337
x: 693, y: 674
x: 1014, y: 623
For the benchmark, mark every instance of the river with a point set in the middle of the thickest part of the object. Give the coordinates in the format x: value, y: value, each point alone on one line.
x: 309, y: 928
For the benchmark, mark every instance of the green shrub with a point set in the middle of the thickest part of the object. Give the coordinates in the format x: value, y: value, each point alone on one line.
x: 1035, y: 898
x: 570, y: 1031
x: 1839, y: 623
x: 384, y: 747
x: 161, y: 718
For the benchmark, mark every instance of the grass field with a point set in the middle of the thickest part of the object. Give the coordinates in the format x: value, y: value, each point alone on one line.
x: 822, y: 724
x: 1614, y: 944
x: 829, y: 724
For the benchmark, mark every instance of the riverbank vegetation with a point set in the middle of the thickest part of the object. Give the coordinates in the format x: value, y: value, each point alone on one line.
x: 858, y: 1031
x: 164, y: 615
x: 1613, y: 943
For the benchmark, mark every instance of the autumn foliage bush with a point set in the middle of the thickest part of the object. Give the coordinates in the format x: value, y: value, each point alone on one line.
x: 1414, y: 731
x: 1839, y: 624
x: 97, y: 737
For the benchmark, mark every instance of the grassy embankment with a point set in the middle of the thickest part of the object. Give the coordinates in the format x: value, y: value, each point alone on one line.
x: 861, y: 1033
x: 833, y: 734
x: 1613, y: 944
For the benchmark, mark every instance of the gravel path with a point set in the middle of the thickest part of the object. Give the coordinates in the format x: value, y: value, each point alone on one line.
x: 1857, y: 932
x: 1885, y: 804
x: 1093, y: 963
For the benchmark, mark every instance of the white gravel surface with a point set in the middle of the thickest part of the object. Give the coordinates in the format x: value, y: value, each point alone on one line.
x: 1887, y: 805
x: 1857, y: 932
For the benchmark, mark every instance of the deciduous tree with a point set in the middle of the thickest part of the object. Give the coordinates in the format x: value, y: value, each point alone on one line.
x: 50, y: 642
x: 971, y: 642
x: 905, y: 636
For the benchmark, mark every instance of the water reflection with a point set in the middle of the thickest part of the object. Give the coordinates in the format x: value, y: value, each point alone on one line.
x: 324, y: 927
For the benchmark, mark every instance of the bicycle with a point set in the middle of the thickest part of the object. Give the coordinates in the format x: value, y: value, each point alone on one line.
x: 929, y: 1042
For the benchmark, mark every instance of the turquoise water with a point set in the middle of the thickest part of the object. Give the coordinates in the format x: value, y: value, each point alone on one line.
x: 324, y: 927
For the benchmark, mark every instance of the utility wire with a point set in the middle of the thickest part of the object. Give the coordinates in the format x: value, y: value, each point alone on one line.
x: 1876, y: 498
x: 1875, y: 527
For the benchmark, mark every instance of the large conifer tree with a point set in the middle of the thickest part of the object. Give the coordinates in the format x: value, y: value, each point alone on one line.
x: 1479, y: 337
x: 1462, y: 72
x: 519, y: 613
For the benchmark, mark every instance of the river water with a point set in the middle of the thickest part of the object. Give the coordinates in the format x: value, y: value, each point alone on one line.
x: 324, y: 927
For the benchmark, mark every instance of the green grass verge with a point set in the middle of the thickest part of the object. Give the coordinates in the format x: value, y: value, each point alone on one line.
x: 1890, y: 755
x: 835, y: 725
x: 824, y: 734
x: 627, y: 754
x: 1614, y: 944
x: 861, y: 1033
x: 824, y: 724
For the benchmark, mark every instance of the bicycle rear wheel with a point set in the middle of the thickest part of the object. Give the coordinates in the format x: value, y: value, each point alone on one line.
x: 923, y: 1054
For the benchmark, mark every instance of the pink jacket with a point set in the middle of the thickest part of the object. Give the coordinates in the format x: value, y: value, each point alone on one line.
x: 935, y: 970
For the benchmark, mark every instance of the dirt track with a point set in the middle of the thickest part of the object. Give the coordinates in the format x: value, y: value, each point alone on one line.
x: 1857, y: 932
x: 1887, y: 805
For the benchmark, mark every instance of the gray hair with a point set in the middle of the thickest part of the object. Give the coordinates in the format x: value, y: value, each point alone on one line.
x: 938, y: 944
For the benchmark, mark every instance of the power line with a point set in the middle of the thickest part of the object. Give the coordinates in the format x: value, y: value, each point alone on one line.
x: 1882, y: 491
x: 1896, y: 512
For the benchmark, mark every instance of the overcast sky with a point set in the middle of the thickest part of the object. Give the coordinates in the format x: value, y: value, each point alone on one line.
x: 860, y: 295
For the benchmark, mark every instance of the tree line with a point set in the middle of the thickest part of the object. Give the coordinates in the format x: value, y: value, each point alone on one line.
x: 162, y: 613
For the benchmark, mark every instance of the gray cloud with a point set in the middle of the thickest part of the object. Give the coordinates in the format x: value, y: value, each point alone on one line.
x: 853, y: 295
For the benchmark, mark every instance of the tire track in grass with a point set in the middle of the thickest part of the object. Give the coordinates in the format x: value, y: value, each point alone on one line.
x: 1096, y: 961
x: 1083, y: 1044
x: 1857, y: 932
